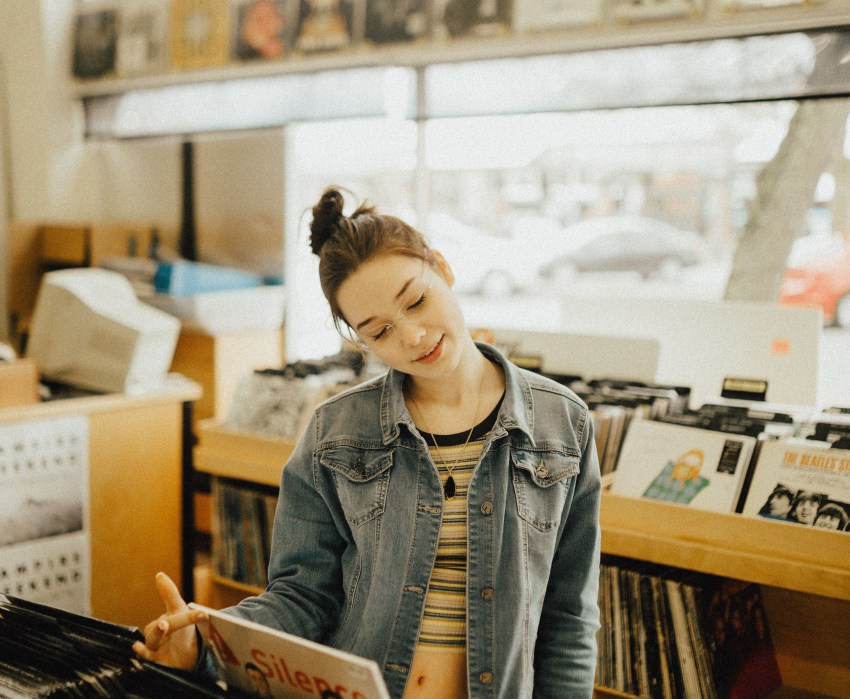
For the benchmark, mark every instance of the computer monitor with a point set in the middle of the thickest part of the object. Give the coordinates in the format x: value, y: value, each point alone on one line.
x: 89, y: 330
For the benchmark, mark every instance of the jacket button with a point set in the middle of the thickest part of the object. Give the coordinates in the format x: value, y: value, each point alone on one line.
x: 542, y: 470
x: 486, y: 508
x: 486, y: 678
x: 359, y: 467
x: 488, y: 593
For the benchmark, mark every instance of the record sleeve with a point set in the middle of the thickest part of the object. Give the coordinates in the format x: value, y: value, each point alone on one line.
x: 795, y: 482
x: 684, y: 465
x: 265, y: 662
x: 324, y: 25
x: 260, y: 28
x: 457, y: 18
x: 94, y: 41
x: 199, y: 33
x: 142, y: 47
x: 394, y: 21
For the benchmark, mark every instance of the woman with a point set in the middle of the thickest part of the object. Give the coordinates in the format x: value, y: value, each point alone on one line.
x: 441, y: 519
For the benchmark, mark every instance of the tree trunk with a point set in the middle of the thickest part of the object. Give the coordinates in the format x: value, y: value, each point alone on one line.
x: 785, y: 189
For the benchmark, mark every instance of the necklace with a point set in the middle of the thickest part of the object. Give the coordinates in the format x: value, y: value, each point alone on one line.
x: 449, y: 486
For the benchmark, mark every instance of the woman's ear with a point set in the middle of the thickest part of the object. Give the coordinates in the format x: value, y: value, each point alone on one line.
x: 444, y: 268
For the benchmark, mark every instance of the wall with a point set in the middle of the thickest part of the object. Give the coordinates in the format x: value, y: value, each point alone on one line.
x: 52, y: 173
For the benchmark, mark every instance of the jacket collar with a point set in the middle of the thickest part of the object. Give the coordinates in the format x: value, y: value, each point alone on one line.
x: 515, y: 412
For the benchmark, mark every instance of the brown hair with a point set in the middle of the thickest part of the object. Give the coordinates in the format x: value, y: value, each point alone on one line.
x: 343, y: 243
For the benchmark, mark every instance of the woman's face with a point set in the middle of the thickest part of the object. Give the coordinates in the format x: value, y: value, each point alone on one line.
x: 404, y: 310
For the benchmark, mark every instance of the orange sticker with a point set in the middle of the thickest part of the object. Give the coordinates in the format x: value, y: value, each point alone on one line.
x: 781, y: 346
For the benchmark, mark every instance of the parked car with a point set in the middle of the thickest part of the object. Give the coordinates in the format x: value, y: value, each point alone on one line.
x: 625, y: 243
x: 824, y: 282
x: 484, y: 264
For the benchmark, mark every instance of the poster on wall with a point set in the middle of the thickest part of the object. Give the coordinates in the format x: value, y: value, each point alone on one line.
x: 645, y: 10
x: 141, y: 48
x: 457, y: 18
x: 543, y: 15
x: 95, y: 40
x: 397, y: 21
x: 260, y: 28
x: 324, y: 25
x: 44, y: 506
x: 199, y: 33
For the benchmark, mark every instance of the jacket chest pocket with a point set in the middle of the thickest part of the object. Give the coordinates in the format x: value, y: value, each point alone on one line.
x: 362, y: 478
x: 541, y: 481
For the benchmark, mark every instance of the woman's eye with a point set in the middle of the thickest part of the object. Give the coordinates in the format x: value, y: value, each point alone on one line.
x: 418, y: 303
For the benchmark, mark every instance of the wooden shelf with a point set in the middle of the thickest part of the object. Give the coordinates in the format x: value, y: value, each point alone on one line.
x: 780, y: 554
x: 245, y: 456
x: 805, y: 574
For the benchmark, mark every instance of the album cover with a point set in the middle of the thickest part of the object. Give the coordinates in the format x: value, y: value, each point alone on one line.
x: 640, y: 10
x: 95, y: 41
x: 457, y: 18
x: 685, y: 465
x: 324, y: 25
x: 265, y: 662
x: 544, y: 15
x: 795, y: 482
x: 142, y: 33
x: 199, y: 33
x: 389, y: 21
x: 261, y: 28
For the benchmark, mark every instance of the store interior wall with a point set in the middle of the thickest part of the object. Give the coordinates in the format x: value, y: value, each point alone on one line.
x: 52, y: 173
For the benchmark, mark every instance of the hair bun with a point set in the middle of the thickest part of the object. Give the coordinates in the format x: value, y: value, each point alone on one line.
x: 327, y: 214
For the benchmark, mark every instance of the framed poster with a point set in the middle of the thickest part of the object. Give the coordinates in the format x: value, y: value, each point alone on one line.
x: 543, y: 15
x: 324, y: 25
x: 260, y: 28
x: 457, y: 18
x: 642, y: 10
x: 389, y: 21
x: 199, y: 33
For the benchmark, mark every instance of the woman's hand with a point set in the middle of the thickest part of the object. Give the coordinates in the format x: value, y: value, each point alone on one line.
x: 171, y: 639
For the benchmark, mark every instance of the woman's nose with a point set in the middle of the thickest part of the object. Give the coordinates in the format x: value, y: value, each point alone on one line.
x: 412, y: 332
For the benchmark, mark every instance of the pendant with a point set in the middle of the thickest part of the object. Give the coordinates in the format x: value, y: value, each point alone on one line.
x: 449, y: 487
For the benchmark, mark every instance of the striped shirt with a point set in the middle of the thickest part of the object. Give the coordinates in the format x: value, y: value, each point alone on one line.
x: 444, y: 618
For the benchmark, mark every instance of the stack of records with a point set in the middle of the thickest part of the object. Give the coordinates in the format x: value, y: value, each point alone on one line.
x: 48, y: 652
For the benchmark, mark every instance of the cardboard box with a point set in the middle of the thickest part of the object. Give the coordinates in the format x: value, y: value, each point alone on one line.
x: 18, y: 383
x: 64, y: 245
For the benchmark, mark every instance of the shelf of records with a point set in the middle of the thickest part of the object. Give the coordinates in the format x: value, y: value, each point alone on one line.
x: 115, y: 40
x: 668, y: 632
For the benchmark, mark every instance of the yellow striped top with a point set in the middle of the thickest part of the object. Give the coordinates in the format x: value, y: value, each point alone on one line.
x: 444, y: 620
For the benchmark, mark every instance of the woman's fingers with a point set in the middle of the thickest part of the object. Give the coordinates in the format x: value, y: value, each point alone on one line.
x: 169, y: 594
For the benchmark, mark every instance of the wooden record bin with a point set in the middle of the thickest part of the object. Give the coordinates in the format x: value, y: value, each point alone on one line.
x: 804, y: 574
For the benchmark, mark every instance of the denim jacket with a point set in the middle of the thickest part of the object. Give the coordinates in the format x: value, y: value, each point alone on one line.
x: 355, y: 538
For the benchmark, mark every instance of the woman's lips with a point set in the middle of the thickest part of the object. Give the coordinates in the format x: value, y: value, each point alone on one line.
x: 434, y: 354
